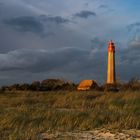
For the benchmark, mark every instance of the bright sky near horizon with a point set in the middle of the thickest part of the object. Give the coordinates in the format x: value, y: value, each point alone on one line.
x: 67, y: 39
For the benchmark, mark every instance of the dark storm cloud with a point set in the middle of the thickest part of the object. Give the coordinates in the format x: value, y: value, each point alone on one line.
x: 34, y: 24
x: 70, y: 61
x: 85, y: 14
x: 103, y: 6
x: 80, y: 63
x: 135, y: 43
x: 1, y: 6
x: 128, y: 59
x: 56, y: 19
x: 106, y: 8
x: 98, y: 43
x: 26, y: 24
x: 40, y: 60
x: 129, y: 64
x: 134, y: 26
x: 134, y: 32
x: 1, y: 3
x: 36, y: 56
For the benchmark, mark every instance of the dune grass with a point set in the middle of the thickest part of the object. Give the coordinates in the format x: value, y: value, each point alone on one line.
x: 24, y: 115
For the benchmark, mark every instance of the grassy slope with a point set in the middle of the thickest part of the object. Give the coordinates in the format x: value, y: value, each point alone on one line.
x: 25, y: 114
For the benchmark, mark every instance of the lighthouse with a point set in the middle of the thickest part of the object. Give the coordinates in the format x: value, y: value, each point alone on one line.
x: 111, y: 76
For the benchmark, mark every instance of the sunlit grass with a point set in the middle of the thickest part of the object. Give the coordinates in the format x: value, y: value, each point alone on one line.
x: 24, y: 115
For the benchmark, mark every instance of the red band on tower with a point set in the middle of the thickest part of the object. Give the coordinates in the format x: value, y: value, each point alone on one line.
x: 111, y: 47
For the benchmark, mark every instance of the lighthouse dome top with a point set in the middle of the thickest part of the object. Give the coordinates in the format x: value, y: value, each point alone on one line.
x: 111, y: 46
x: 111, y: 43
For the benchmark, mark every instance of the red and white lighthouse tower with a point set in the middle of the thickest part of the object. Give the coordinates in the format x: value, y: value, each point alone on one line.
x: 111, y: 75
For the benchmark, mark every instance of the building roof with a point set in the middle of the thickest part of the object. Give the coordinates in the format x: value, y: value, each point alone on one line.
x: 87, y: 85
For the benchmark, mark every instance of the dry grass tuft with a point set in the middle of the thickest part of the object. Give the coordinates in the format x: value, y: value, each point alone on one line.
x: 24, y: 115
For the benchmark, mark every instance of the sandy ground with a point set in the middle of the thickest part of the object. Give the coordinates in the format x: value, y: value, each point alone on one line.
x: 93, y: 135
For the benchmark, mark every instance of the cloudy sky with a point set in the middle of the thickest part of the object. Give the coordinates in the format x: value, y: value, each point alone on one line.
x: 67, y: 39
